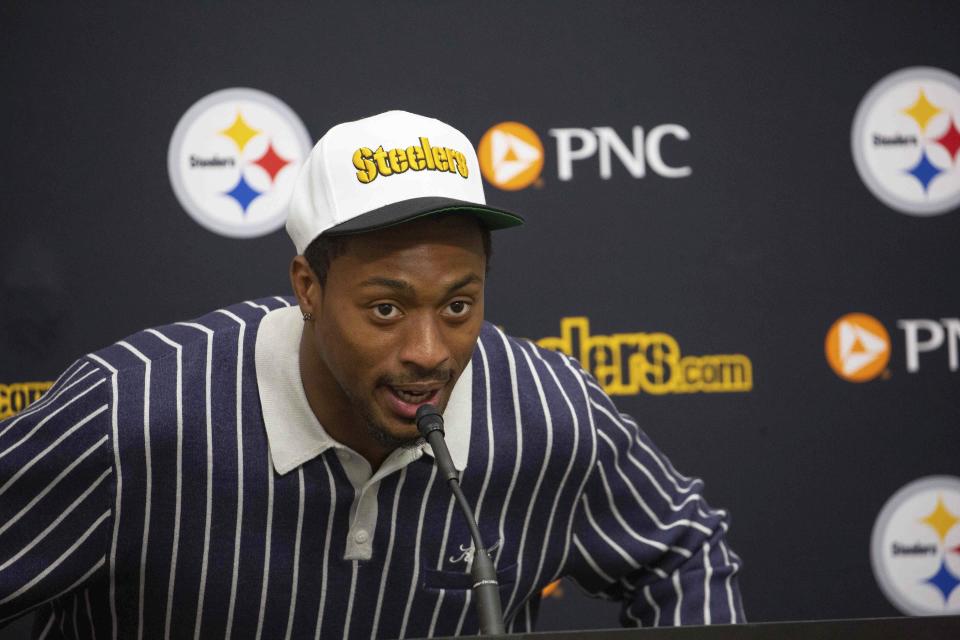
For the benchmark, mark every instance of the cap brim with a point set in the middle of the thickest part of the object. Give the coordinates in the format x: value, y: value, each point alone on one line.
x: 407, y: 210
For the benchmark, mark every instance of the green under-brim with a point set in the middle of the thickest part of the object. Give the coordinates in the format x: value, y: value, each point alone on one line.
x: 414, y: 208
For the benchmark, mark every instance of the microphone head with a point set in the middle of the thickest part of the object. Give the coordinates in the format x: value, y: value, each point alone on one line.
x: 429, y: 420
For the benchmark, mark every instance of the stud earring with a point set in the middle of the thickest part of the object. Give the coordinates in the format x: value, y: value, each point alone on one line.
x: 307, y: 317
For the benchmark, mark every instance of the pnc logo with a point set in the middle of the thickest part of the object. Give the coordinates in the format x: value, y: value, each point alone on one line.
x: 511, y: 156
x: 857, y: 347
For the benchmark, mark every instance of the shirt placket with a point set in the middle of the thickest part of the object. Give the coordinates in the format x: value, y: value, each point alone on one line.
x: 366, y: 486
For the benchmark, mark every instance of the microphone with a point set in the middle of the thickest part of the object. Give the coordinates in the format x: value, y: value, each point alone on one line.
x: 430, y: 426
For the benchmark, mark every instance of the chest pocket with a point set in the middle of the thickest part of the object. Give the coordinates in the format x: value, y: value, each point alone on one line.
x: 453, y: 574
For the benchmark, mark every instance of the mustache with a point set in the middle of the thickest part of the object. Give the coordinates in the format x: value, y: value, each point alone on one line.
x: 427, y: 377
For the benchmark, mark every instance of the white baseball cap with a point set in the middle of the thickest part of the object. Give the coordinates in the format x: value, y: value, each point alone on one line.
x: 384, y: 170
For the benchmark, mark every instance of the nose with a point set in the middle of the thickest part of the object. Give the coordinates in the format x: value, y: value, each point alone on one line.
x: 425, y: 346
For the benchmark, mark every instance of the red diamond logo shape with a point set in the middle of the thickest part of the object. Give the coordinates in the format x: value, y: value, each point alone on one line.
x: 950, y: 140
x: 271, y: 162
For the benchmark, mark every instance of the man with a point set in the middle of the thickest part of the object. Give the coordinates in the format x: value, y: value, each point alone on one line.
x: 257, y: 472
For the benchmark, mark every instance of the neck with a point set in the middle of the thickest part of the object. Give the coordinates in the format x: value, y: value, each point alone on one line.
x: 333, y: 408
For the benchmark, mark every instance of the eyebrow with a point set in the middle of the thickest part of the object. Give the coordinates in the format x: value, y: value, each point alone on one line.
x: 390, y: 283
x: 406, y: 287
x: 462, y: 282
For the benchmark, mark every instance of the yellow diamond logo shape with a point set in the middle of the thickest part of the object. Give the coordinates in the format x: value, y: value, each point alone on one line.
x: 922, y: 111
x: 240, y: 132
x: 941, y: 520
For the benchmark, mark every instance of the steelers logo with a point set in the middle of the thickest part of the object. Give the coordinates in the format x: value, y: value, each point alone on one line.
x: 915, y: 547
x: 906, y: 141
x: 857, y: 347
x: 233, y: 160
x: 511, y: 156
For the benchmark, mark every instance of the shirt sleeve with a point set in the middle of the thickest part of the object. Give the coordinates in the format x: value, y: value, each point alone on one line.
x: 56, y: 491
x: 645, y: 536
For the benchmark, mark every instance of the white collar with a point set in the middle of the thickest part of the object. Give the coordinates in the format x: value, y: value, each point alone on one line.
x: 293, y: 431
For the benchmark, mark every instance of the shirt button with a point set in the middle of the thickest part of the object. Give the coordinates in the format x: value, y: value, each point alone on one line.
x: 361, y: 536
x: 343, y: 455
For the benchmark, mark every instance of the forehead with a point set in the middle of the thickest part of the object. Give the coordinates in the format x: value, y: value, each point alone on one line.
x: 431, y: 244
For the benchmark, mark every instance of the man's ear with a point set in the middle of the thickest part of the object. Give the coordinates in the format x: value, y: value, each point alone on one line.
x: 306, y: 287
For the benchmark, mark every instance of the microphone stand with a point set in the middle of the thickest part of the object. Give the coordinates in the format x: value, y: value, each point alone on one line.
x: 430, y: 426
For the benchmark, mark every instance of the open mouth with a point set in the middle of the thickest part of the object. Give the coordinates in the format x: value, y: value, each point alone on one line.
x: 414, y: 397
x: 404, y: 401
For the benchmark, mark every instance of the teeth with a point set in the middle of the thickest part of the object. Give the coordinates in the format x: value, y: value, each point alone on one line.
x: 412, y: 397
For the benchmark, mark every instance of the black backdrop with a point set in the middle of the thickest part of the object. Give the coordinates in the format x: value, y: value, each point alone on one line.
x: 770, y: 239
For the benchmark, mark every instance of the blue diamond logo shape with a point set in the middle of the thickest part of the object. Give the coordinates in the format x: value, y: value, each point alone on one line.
x: 944, y: 581
x: 244, y: 194
x: 925, y: 171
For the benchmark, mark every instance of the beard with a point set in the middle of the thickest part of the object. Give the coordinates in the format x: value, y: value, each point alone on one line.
x: 390, y: 441
x: 375, y: 427
x: 379, y: 431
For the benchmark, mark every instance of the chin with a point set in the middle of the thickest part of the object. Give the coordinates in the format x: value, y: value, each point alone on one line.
x: 396, y: 435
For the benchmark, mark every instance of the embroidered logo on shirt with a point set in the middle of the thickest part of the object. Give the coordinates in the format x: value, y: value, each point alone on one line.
x: 467, y: 551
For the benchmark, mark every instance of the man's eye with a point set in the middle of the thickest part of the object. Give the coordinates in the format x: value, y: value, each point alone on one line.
x: 459, y: 307
x: 385, y: 311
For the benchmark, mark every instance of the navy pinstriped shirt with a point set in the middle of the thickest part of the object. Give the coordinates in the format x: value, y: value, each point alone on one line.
x: 139, y: 499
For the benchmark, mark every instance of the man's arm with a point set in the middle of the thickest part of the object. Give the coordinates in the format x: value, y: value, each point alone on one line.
x: 56, y: 491
x: 644, y: 535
